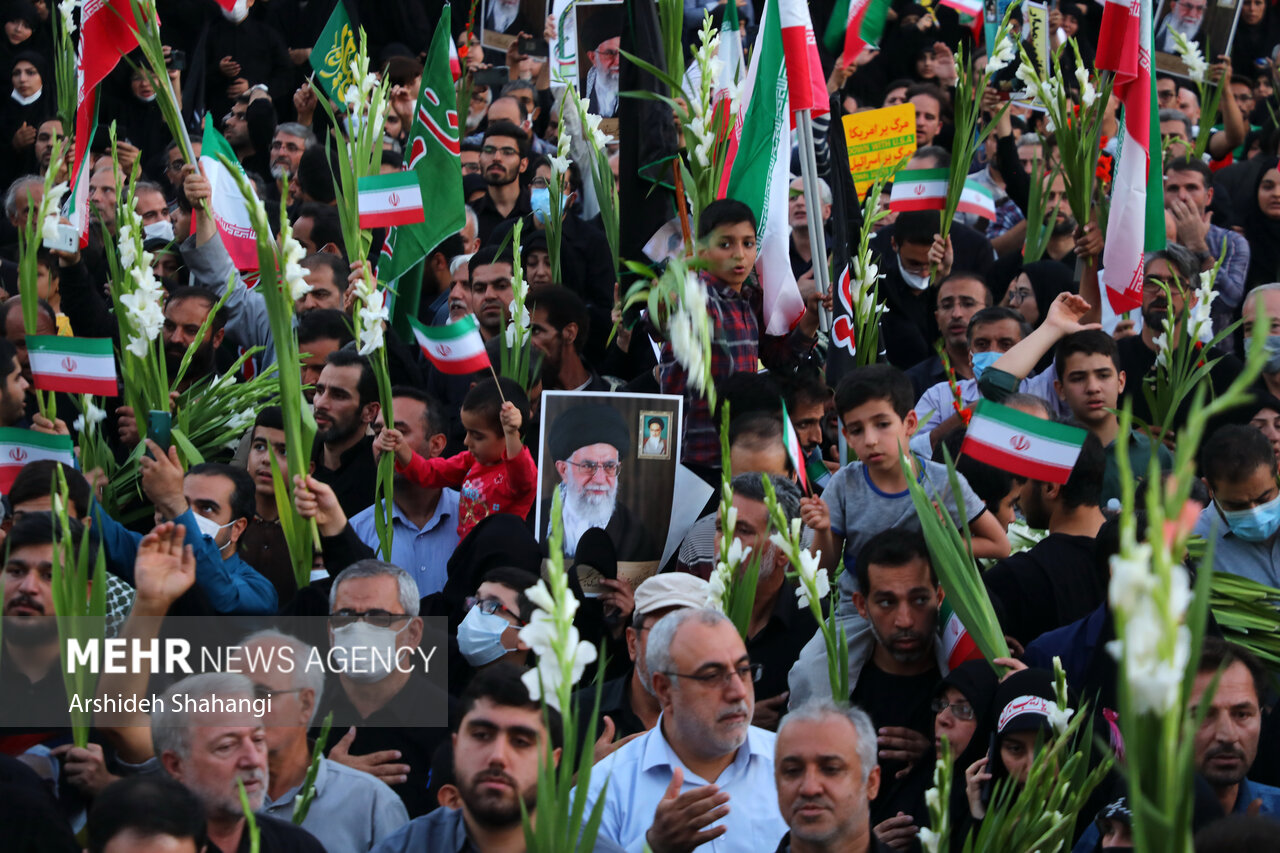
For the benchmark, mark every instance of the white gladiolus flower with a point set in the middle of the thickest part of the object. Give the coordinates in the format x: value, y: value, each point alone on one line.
x: 139, y: 346
x: 351, y: 98
x: 559, y: 165
x: 66, y: 8
x: 373, y: 312
x: 737, y: 553
x: 1059, y: 717
x: 1191, y: 56
x: 1130, y: 578
x: 931, y: 799
x: 1002, y: 56
x: 1026, y: 74
x: 929, y: 839
x: 716, y: 68
x: 1161, y: 342
x: 295, y: 275
x: 241, y: 420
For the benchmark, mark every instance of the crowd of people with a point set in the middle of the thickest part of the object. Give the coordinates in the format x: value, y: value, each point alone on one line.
x: 709, y: 738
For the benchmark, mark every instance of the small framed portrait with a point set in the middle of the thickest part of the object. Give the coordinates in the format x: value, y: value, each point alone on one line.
x: 1208, y: 24
x: 503, y: 20
x: 655, y: 432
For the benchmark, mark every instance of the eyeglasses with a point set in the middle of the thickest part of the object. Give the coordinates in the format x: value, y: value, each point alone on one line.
x: 609, y: 54
x: 540, y: 183
x: 1017, y: 297
x: 611, y: 469
x: 959, y: 710
x: 720, y: 678
x: 505, y: 151
x: 490, y: 606
x: 376, y: 617
x: 262, y: 691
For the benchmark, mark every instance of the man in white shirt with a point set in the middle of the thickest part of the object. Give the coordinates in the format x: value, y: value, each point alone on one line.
x: 704, y: 757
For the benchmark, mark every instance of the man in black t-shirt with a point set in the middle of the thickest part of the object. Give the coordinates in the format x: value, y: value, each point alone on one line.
x: 899, y: 596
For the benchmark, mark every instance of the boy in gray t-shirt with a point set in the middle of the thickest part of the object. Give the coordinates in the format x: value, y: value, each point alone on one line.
x: 866, y: 497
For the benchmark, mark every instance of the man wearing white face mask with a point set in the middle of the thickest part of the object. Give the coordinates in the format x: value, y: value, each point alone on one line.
x: 374, y: 606
x: 214, y: 501
x: 1242, y: 521
x: 153, y: 210
x: 496, y: 613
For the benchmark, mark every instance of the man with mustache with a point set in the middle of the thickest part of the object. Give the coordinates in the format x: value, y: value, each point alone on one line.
x: 895, y: 667
x: 1227, y: 741
x: 212, y: 752
x: 184, y: 312
x: 703, y: 758
x: 346, y: 402
x: 500, y: 739
x: 602, y: 35
x: 826, y: 774
x: 588, y: 444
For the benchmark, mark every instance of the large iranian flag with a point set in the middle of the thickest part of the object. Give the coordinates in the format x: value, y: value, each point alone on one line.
x: 73, y: 365
x: 757, y: 172
x: 1126, y: 47
x: 230, y: 213
x: 19, y: 447
x: 806, y: 83
x: 1022, y: 444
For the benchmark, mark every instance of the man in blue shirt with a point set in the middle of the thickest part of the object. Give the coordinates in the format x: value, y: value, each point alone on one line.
x: 214, y: 502
x: 424, y: 520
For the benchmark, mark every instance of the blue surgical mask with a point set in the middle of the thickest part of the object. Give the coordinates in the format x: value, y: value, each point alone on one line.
x: 1256, y: 524
x: 480, y: 637
x: 983, y: 360
x: 1273, y: 353
x: 540, y: 201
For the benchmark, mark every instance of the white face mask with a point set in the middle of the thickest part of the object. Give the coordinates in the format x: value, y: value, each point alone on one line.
x: 480, y: 637
x: 915, y: 282
x: 211, y: 528
x: 162, y: 229
x: 148, y: 99
x: 371, y: 651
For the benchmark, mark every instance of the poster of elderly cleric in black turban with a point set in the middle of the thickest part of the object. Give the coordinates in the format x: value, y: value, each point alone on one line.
x: 597, y: 450
x: 599, y: 59
x: 503, y: 20
x: 1208, y: 24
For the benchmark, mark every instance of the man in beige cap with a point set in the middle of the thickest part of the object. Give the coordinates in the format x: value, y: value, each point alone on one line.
x: 628, y: 706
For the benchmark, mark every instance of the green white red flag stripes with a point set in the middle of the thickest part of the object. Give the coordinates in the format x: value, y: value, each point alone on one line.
x: 978, y: 200
x: 862, y: 24
x: 757, y: 172
x: 394, y: 199
x: 957, y: 645
x: 230, y: 213
x: 919, y: 189
x: 455, y: 349
x: 964, y: 7
x: 19, y: 447
x: 1022, y: 444
x: 1126, y: 47
x: 794, y: 450
x: 805, y: 80
x: 73, y: 365
x: 734, y: 64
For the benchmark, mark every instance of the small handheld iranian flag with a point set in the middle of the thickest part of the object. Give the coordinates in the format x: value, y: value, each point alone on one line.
x: 972, y: 8
x: 455, y: 349
x: 919, y: 189
x: 230, y: 213
x: 957, y: 645
x: 1022, y: 444
x: 792, y: 441
x: 73, y: 365
x: 394, y: 199
x: 978, y: 200
x: 21, y: 446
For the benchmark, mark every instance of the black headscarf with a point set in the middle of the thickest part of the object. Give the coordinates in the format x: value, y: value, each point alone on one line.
x: 1262, y: 233
x: 1048, y: 280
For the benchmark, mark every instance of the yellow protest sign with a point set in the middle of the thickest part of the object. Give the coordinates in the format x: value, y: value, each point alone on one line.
x: 879, y: 142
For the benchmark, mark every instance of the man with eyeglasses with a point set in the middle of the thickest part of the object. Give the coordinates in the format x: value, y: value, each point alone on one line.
x: 601, y: 36
x: 703, y: 758
x: 504, y: 157
x: 375, y: 604
x: 352, y: 810
x: 1185, y: 17
x: 960, y: 296
x: 588, y: 444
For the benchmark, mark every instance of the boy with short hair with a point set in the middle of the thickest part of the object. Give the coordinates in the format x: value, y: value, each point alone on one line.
x: 871, y: 495
x: 1086, y: 377
x: 727, y: 244
x: 496, y: 472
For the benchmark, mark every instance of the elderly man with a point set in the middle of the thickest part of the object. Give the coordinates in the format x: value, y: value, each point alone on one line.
x: 798, y: 219
x: 702, y: 758
x: 352, y: 810
x: 375, y: 605
x: 602, y: 37
x: 215, y: 751
x: 826, y: 773
x: 589, y: 444
x: 500, y: 740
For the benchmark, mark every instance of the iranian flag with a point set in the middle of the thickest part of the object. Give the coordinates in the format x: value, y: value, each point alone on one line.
x: 1126, y: 47
x: 957, y: 645
x: 919, y: 189
x: 977, y: 199
x: 805, y: 80
x: 73, y: 365
x: 456, y: 349
x: 230, y: 213
x: 19, y: 447
x: 973, y: 8
x: 856, y: 24
x: 757, y: 172
x: 733, y: 65
x: 1022, y: 444
x: 394, y: 199
x: 794, y: 450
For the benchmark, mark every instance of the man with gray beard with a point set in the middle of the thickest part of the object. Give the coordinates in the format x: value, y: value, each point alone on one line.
x: 213, y: 753
x: 602, y: 36
x: 588, y: 444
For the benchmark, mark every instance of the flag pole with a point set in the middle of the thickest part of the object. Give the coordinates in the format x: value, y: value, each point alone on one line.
x: 682, y: 207
x: 813, y: 213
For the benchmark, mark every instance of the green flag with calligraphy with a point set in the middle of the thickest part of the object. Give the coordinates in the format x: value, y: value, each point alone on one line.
x: 433, y: 155
x: 332, y: 55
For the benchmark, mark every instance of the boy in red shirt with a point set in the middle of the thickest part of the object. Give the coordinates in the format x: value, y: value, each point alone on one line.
x: 496, y: 472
